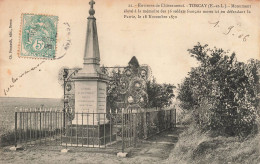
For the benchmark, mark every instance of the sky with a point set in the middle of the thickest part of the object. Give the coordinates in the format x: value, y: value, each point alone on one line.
x: 160, y: 43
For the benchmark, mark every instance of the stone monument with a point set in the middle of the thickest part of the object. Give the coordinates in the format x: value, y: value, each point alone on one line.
x: 90, y: 95
x: 90, y: 82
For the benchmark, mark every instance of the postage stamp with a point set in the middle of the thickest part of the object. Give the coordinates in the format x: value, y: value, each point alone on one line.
x: 38, y: 36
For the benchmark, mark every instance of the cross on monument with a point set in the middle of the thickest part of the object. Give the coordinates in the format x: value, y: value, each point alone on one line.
x: 92, y: 3
x: 91, y: 10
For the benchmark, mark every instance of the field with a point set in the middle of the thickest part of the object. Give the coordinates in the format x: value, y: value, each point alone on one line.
x: 9, y: 105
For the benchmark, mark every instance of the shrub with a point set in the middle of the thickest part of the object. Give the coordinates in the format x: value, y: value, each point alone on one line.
x: 7, y: 138
x: 222, y: 92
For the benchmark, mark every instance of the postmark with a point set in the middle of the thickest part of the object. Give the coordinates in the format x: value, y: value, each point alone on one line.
x: 38, y: 36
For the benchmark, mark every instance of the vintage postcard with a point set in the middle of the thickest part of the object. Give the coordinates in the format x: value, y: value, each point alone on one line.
x: 133, y: 81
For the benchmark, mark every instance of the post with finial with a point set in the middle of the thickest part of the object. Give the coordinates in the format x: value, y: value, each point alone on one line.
x: 122, y: 153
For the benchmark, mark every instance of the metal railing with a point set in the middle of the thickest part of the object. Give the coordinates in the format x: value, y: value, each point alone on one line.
x: 119, y: 130
x: 33, y: 127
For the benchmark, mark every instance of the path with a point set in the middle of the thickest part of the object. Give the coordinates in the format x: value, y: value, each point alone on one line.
x: 157, y: 148
x: 154, y: 150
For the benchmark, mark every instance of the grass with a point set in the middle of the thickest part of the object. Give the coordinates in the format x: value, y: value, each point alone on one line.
x: 197, y: 147
x: 7, y: 138
x: 145, y: 152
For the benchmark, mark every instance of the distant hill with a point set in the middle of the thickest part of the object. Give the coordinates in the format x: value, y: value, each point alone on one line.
x: 29, y: 102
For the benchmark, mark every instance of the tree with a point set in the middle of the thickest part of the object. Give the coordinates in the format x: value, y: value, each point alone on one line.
x: 159, y: 95
x: 185, y: 95
x: 222, y: 91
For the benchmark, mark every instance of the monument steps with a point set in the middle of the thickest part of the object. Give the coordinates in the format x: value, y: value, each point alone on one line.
x: 90, y: 130
x: 88, y: 140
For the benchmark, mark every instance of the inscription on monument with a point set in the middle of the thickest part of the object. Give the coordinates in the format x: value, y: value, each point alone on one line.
x: 86, y: 97
x: 101, y: 99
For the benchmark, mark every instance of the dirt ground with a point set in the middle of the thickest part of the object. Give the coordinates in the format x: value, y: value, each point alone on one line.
x: 154, y: 150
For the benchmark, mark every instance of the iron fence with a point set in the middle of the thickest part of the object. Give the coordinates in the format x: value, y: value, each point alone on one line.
x: 33, y: 127
x: 119, y: 130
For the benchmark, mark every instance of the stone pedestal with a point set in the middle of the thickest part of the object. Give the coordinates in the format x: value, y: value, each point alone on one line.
x: 90, y: 97
x: 89, y: 135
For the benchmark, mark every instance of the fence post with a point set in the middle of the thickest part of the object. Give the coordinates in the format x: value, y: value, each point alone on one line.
x: 116, y: 126
x: 158, y: 122
x: 175, y: 120
x: 165, y: 119
x: 123, y: 142
x: 134, y: 128
x: 145, y: 124
x: 110, y: 124
x: 40, y: 125
x: 20, y: 127
x: 171, y: 119
x: 15, y: 133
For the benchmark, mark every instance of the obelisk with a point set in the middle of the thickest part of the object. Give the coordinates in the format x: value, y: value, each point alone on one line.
x: 90, y: 83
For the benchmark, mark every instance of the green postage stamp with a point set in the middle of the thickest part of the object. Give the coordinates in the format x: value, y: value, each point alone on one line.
x: 38, y: 36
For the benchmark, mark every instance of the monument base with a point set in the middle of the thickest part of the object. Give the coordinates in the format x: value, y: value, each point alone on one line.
x: 89, y: 134
x: 89, y: 120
